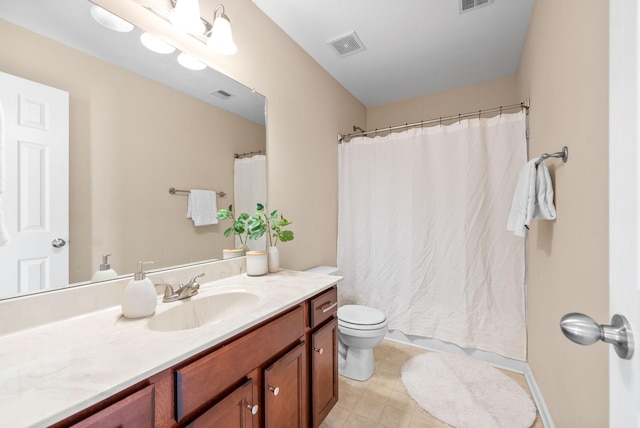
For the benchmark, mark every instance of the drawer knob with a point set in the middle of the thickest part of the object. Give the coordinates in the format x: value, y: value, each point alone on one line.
x: 319, y: 350
x: 275, y: 390
x: 253, y: 408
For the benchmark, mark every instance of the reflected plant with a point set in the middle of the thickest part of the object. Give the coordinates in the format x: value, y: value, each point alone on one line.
x: 239, y: 225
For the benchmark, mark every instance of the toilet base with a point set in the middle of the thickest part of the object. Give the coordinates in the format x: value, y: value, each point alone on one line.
x: 357, y: 365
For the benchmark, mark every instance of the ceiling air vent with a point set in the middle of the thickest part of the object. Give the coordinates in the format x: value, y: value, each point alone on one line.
x: 224, y: 95
x: 347, y: 45
x: 467, y: 5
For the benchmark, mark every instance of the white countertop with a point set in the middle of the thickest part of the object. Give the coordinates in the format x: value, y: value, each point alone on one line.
x: 54, y: 370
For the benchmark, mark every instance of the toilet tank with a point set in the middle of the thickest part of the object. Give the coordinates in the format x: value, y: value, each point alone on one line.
x: 326, y: 270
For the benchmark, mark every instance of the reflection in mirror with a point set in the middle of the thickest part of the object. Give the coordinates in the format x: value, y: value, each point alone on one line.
x: 139, y: 124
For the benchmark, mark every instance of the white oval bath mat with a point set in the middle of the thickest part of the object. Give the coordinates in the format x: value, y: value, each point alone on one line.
x: 465, y: 393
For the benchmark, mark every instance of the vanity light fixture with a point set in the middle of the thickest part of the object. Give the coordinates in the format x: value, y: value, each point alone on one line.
x: 221, y: 39
x: 155, y: 44
x: 186, y: 16
x: 109, y: 20
x: 189, y: 61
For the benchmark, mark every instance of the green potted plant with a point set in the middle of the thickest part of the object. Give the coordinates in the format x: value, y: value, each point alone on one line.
x: 274, y: 225
x: 239, y: 227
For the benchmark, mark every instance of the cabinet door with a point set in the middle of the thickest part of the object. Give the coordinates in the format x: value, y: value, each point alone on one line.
x: 284, y: 390
x: 134, y: 411
x: 324, y: 371
x: 236, y: 410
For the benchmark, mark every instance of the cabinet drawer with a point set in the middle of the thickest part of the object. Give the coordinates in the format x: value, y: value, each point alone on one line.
x: 324, y: 307
x: 134, y: 411
x: 204, y: 379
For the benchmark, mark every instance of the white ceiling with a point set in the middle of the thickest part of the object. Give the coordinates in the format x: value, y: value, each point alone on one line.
x: 413, y: 47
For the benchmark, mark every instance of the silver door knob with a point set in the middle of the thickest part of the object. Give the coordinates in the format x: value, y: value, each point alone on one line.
x: 583, y: 330
x: 275, y: 390
x: 253, y: 408
x: 58, y: 243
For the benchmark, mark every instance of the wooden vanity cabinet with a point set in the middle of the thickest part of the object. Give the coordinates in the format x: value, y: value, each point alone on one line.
x: 234, y: 410
x: 322, y: 340
x: 285, y: 390
x: 133, y: 411
x: 281, y: 373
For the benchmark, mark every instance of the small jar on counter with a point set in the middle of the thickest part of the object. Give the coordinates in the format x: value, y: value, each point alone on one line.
x: 257, y: 263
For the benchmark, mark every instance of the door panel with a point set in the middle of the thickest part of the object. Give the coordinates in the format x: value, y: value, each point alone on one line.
x: 35, y: 200
x: 624, y: 213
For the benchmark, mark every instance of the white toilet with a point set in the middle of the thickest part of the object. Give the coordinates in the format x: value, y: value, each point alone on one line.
x: 360, y: 329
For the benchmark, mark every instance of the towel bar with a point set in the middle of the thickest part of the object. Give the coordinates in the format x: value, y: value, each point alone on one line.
x: 564, y: 154
x: 173, y: 191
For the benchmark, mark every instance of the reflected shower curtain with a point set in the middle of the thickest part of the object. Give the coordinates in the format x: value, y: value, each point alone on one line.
x: 422, y: 231
x: 250, y: 188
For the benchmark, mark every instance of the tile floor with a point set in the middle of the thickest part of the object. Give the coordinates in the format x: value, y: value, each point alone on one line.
x: 382, y: 401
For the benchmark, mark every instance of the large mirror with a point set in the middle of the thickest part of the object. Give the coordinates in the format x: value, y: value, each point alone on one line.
x: 139, y: 124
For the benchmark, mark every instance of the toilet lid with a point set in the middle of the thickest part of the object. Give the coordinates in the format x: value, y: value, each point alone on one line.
x: 360, y: 315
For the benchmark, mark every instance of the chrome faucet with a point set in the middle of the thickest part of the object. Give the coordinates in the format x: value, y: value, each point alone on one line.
x: 183, y: 292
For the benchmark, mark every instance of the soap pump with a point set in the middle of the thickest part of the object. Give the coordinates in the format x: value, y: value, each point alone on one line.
x: 140, y: 298
x: 105, y: 271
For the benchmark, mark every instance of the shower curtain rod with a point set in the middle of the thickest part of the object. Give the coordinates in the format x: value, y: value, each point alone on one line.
x: 247, y: 155
x: 346, y: 138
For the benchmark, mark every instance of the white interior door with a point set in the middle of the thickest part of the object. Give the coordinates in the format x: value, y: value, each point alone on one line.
x: 624, y: 197
x: 36, y: 194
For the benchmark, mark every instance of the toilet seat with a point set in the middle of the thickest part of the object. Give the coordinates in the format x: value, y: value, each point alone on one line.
x: 359, y: 317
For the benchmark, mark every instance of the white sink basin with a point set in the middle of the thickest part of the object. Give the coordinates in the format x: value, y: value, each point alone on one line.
x: 203, y: 310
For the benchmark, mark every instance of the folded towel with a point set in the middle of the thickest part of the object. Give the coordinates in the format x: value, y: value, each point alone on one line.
x: 524, y: 199
x: 202, y: 207
x: 545, y: 210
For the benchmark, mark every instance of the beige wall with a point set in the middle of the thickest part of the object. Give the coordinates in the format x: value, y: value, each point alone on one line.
x: 564, y: 70
x: 486, y: 95
x: 130, y: 140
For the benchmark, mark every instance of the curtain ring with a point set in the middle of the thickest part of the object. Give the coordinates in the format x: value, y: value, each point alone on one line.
x: 479, y: 113
x: 459, y: 116
x: 440, y: 120
x: 500, y: 111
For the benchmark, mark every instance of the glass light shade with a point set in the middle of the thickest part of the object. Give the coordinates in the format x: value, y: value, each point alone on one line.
x: 156, y: 45
x: 186, y: 16
x: 221, y: 39
x: 190, y: 62
x: 109, y: 20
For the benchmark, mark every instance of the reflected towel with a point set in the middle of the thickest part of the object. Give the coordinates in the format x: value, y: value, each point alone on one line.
x: 202, y: 208
x: 545, y: 210
x: 523, y: 203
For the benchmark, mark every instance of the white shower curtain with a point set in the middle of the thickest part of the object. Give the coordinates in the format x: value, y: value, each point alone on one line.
x: 250, y: 188
x: 422, y: 231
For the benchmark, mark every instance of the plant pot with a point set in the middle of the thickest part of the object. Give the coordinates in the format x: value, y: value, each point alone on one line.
x: 233, y: 253
x: 274, y: 259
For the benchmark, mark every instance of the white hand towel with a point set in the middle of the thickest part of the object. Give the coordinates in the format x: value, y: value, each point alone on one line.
x: 545, y: 210
x: 524, y: 199
x: 202, y: 207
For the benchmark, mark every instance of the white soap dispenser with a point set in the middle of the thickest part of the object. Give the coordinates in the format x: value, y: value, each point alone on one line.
x: 140, y: 298
x: 105, y: 272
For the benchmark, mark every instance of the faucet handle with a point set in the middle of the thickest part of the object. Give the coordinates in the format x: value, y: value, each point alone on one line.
x: 193, y: 280
x: 169, y: 294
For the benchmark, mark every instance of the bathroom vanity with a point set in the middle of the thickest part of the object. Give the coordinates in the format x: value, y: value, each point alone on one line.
x: 269, y: 359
